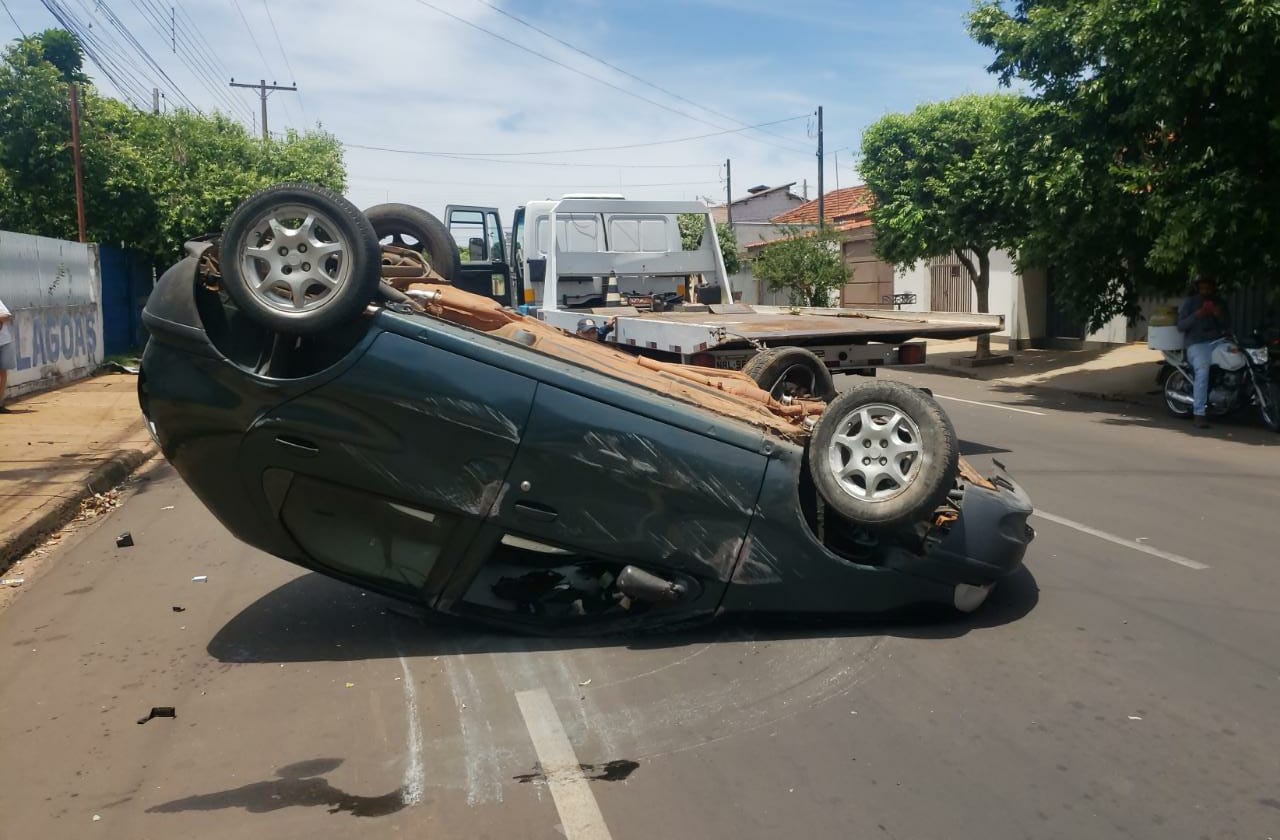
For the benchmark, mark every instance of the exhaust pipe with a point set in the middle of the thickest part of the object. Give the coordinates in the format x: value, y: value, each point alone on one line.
x: 640, y: 585
x: 1179, y: 397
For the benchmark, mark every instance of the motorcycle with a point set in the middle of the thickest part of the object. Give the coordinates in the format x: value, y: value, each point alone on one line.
x: 1240, y: 377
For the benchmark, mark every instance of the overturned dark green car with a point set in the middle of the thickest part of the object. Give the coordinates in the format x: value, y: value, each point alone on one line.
x: 339, y: 404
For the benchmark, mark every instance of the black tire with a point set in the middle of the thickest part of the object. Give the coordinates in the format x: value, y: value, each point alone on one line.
x: 887, y: 497
x: 258, y: 283
x: 412, y: 227
x: 791, y: 371
x: 1176, y: 383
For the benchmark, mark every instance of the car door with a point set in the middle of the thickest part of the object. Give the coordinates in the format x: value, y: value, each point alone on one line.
x: 477, y: 231
x: 385, y: 473
x: 595, y: 487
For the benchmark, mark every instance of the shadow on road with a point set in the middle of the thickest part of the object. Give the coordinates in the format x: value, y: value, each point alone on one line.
x: 1243, y: 427
x: 316, y: 619
x: 299, y: 784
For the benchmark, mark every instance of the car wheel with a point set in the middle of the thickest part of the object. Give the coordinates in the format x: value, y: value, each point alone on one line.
x: 406, y: 226
x: 791, y: 372
x: 1177, y: 385
x: 884, y: 454
x: 300, y: 259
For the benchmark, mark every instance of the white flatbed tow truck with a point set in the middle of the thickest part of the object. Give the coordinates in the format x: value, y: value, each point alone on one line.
x: 637, y: 243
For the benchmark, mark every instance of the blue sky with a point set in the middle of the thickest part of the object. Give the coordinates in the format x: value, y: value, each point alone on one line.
x: 400, y: 74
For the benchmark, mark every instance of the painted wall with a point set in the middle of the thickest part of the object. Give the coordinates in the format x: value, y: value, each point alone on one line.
x: 53, y: 289
x: 759, y: 208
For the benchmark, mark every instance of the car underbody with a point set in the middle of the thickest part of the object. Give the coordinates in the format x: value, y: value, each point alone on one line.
x: 453, y: 453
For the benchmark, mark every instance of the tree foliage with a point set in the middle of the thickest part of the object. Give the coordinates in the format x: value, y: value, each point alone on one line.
x: 806, y: 263
x: 692, y: 226
x: 947, y: 179
x: 151, y: 181
x: 1156, y: 151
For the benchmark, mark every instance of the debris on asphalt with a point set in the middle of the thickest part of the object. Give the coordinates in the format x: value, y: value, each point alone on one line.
x: 13, y: 581
x: 351, y: 685
x: 124, y: 540
x: 159, y: 711
x: 167, y: 507
x: 98, y: 504
x: 1135, y: 717
x: 96, y: 818
x: 177, y: 608
x: 200, y: 579
x: 585, y: 683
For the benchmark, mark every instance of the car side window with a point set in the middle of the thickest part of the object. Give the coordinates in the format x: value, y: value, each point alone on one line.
x: 468, y: 230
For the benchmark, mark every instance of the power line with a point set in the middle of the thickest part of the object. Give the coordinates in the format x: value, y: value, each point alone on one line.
x: 142, y: 51
x: 538, y: 186
x: 450, y: 156
x: 12, y: 18
x: 588, y: 149
x: 260, y: 53
x: 153, y: 13
x: 253, y: 37
x: 293, y: 76
x: 582, y: 73
x: 630, y: 75
x: 111, y: 51
x: 99, y: 53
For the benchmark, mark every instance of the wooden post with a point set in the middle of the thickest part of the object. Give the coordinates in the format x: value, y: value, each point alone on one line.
x: 75, y: 158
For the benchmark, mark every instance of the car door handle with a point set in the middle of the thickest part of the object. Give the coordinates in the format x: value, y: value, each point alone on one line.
x: 298, y: 446
x: 540, y: 513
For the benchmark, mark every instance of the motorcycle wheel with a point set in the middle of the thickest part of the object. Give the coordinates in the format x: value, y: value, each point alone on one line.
x: 1175, y: 385
x: 1269, y: 404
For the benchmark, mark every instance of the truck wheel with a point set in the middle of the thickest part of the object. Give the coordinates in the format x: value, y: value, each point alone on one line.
x: 791, y: 372
x: 300, y: 259
x: 406, y: 226
x: 884, y: 454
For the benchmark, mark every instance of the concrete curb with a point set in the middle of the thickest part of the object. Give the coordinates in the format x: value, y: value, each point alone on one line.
x: 103, y: 477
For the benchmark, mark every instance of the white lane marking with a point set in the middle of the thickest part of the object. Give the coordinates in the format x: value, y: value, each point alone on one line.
x: 580, y: 815
x: 990, y: 405
x: 1112, y: 538
x: 415, y: 776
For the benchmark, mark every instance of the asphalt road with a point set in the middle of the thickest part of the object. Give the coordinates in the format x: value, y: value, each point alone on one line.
x: 1126, y: 685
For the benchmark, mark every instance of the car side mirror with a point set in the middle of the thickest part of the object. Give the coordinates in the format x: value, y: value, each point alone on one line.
x: 537, y: 270
x: 475, y: 249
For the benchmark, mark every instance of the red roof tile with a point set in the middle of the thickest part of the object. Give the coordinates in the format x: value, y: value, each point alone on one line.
x: 849, y: 201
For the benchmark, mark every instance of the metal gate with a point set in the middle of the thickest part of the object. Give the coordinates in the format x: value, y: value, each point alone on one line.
x: 949, y: 289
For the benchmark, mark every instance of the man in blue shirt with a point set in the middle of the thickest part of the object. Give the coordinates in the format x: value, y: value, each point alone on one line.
x: 1203, y: 317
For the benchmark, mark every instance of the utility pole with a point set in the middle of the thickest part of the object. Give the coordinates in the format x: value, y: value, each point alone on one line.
x: 173, y: 29
x: 835, y: 161
x: 155, y: 100
x: 264, y: 90
x: 75, y: 160
x: 728, y: 190
x: 822, y: 219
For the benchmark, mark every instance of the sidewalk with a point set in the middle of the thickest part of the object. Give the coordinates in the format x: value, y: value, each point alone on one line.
x: 60, y: 446
x: 1123, y: 372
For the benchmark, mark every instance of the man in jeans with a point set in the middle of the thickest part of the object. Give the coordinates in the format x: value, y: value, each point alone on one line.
x: 1203, y: 317
x: 8, y: 352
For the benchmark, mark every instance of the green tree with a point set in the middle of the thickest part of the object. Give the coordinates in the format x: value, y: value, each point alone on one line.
x: 1155, y: 153
x: 946, y: 180
x: 692, y: 226
x: 806, y: 263
x: 151, y: 181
